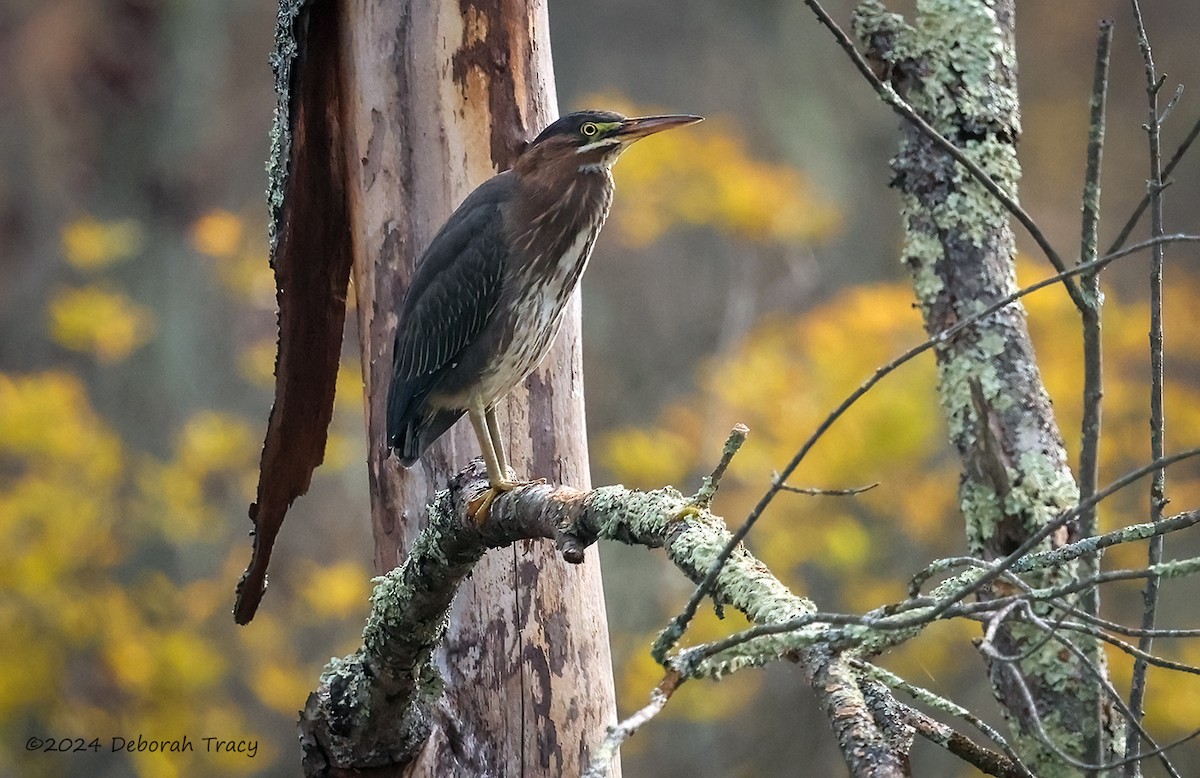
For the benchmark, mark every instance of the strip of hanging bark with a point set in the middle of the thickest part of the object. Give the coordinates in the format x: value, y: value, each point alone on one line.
x: 311, y: 255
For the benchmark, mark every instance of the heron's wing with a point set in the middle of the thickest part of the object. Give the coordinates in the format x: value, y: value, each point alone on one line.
x: 451, y: 300
x: 454, y: 292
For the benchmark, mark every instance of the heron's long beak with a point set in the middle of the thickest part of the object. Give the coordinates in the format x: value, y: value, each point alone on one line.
x: 640, y: 127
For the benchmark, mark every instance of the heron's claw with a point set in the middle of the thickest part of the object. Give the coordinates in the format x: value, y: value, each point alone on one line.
x: 479, y: 508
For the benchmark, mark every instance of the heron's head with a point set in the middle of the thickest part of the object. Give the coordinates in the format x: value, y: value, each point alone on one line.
x: 589, y: 141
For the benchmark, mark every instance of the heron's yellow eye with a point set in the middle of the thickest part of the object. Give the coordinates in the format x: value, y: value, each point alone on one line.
x: 589, y: 129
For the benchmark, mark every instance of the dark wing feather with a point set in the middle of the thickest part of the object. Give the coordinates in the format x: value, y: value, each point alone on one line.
x: 454, y: 291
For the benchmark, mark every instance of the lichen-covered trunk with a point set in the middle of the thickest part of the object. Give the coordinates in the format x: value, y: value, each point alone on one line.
x: 957, y: 66
x: 439, y: 97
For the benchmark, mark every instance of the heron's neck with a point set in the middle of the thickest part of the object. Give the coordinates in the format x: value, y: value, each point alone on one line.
x: 564, y: 202
x: 602, y: 166
x: 549, y: 217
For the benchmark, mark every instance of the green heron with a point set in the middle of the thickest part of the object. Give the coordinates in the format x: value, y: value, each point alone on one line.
x: 488, y: 295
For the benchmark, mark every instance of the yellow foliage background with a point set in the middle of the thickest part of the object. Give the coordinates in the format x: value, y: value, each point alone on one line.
x: 856, y: 553
x: 124, y: 544
x: 115, y: 607
x: 115, y: 612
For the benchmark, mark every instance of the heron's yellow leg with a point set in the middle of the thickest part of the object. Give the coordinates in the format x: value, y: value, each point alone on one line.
x: 484, y: 422
x: 493, y: 428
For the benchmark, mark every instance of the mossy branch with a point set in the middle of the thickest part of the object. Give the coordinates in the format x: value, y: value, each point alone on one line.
x: 348, y: 722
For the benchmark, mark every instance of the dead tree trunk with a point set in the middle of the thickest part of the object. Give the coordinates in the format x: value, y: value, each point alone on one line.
x: 439, y: 97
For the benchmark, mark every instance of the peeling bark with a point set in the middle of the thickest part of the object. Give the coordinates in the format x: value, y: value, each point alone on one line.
x: 440, y: 96
x: 310, y: 254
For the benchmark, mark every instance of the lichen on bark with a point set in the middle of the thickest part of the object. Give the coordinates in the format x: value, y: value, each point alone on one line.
x: 956, y: 66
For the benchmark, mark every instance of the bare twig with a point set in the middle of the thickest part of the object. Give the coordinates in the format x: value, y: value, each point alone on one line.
x: 939, y: 703
x: 622, y: 731
x: 1158, y: 480
x: 906, y: 111
x: 737, y: 436
x: 1136, y: 216
x: 814, y: 492
x: 1093, y: 385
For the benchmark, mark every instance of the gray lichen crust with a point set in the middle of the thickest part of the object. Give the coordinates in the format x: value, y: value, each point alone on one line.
x: 956, y: 65
x: 281, y: 59
x: 348, y: 721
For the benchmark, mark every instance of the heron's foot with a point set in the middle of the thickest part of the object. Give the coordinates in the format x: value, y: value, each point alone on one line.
x: 481, y: 505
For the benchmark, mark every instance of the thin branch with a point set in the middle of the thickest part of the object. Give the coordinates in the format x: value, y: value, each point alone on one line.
x: 1173, y: 744
x: 1039, y: 729
x: 708, y: 489
x: 1128, y: 648
x: 684, y: 617
x: 939, y: 566
x: 1061, y: 520
x: 670, y: 635
x: 1022, y: 608
x: 1170, y: 109
x: 1157, y: 750
x: 993, y: 626
x: 1095, y: 157
x: 1093, y: 382
x: 1136, y: 216
x: 1180, y: 568
x: 1068, y: 552
x: 959, y: 745
x: 1093, y: 388
x: 622, y: 731
x: 814, y: 492
x: 1158, y: 480
x: 1044, y: 737
x: 939, y: 703
x: 919, y: 612
x: 1121, y: 629
x: 1063, y: 554
x: 907, y: 112
x: 1149, y: 243
x: 1101, y: 678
